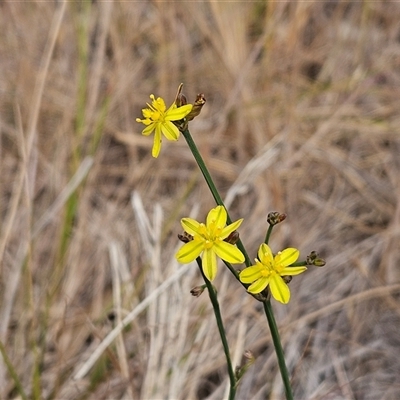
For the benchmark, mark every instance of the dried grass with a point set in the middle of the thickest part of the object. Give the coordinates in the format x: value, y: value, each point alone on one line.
x: 301, y: 117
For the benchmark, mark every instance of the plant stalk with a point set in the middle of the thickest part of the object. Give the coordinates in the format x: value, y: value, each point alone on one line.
x: 214, y: 301
x: 278, y: 348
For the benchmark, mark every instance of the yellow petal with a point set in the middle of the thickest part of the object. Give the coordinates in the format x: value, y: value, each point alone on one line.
x: 228, y: 252
x: 279, y: 290
x: 287, y: 257
x: 150, y: 128
x: 170, y: 131
x: 158, y: 104
x: 189, y: 252
x: 230, y: 228
x: 176, y: 113
x: 216, y: 216
x: 190, y: 226
x: 265, y: 254
x: 250, y: 274
x: 147, y: 113
x: 259, y: 285
x: 292, y: 271
x: 209, y: 260
x: 157, y: 142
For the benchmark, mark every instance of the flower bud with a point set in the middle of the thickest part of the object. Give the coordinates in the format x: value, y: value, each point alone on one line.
x: 319, y: 262
x: 232, y: 238
x: 314, y: 259
x: 311, y: 257
x: 287, y: 278
x: 197, y: 290
x: 180, y: 100
x: 185, y: 237
x: 197, y: 106
x: 275, y: 217
x: 249, y: 355
x: 249, y: 359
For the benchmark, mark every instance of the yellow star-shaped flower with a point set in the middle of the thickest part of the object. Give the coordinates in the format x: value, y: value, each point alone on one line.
x: 157, y: 118
x: 209, y: 239
x: 269, y: 270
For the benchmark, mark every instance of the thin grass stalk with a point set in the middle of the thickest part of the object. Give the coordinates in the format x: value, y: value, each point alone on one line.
x: 80, y: 124
x: 12, y: 372
x: 217, y: 312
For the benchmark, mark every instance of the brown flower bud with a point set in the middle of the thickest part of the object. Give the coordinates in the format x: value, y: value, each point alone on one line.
x: 275, y: 217
x: 178, y: 97
x: 197, y: 290
x: 185, y: 237
x: 232, y: 238
x: 197, y: 106
x: 287, y: 278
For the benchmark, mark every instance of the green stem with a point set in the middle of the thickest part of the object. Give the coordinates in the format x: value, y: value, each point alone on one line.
x: 278, y: 348
x: 218, y: 317
x: 211, y: 185
x: 234, y: 272
x: 299, y: 264
x: 267, y: 304
x: 268, y: 235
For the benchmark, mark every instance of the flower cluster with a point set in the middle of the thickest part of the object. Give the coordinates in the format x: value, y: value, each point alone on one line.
x: 210, y: 241
x: 214, y: 238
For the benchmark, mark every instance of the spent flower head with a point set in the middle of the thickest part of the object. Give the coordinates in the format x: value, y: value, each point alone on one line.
x: 208, y: 239
x: 157, y: 118
x: 269, y: 270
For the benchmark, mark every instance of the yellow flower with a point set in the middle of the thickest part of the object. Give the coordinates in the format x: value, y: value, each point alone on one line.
x: 157, y: 118
x: 209, y: 239
x: 269, y: 270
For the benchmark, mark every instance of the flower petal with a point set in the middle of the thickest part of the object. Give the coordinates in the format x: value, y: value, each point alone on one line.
x: 189, y: 251
x: 147, y: 113
x: 228, y: 252
x: 170, y: 131
x: 157, y: 142
x: 176, y: 113
x: 287, y: 257
x: 230, y: 228
x: 292, y: 271
x: 158, y: 104
x: 259, y: 285
x: 216, y: 216
x: 150, y: 128
x: 279, y: 289
x: 265, y: 255
x: 250, y: 274
x: 190, y: 226
x: 209, y: 264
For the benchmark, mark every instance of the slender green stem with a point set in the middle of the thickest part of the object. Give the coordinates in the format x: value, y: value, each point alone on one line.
x: 299, y: 264
x: 214, y: 301
x: 211, y: 185
x: 278, y: 348
x: 233, y: 270
x: 268, y: 235
x: 267, y: 304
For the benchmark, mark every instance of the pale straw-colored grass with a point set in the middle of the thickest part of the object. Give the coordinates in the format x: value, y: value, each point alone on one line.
x: 302, y: 117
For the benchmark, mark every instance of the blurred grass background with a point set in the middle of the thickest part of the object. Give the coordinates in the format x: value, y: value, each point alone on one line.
x: 302, y: 117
